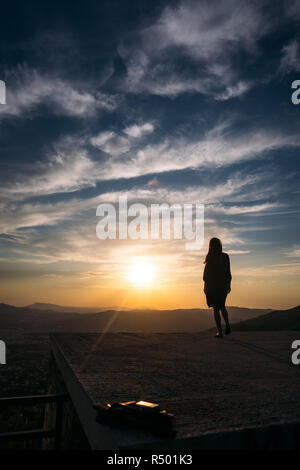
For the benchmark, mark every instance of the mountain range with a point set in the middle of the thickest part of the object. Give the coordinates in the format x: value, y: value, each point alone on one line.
x: 51, y: 317
x: 274, y: 320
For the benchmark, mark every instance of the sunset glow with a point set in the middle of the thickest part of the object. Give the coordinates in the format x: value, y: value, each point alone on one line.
x: 120, y: 160
x: 142, y: 274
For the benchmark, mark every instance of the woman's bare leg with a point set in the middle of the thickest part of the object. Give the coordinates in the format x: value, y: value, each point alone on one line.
x: 225, y: 316
x: 218, y: 320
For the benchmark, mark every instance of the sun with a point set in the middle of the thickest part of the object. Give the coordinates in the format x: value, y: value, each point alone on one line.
x: 142, y: 273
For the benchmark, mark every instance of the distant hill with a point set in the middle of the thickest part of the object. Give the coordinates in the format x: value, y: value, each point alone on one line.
x: 275, y: 320
x: 62, y: 308
x: 238, y: 313
x: 180, y: 320
x: 29, y: 318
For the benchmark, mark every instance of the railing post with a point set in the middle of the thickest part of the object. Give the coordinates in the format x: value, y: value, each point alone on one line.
x: 55, y: 433
x: 58, y: 424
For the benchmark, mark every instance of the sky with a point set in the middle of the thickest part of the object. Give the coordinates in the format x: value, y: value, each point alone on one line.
x: 162, y: 102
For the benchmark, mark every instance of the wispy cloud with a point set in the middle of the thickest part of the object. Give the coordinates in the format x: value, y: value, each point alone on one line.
x: 67, y: 170
x: 17, y: 215
x: 118, y: 143
x: 27, y: 88
x: 272, y: 270
x: 71, y: 167
x: 245, y: 209
x: 208, y: 45
x: 217, y: 148
x: 111, y: 143
x: 138, y: 130
x: 290, y: 59
x: 293, y: 252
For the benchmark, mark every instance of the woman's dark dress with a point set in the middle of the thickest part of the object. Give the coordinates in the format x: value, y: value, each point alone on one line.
x: 217, y: 278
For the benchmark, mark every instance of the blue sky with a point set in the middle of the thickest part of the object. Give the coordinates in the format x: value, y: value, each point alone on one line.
x: 186, y: 102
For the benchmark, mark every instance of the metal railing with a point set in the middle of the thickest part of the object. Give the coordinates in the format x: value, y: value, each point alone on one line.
x: 36, y: 433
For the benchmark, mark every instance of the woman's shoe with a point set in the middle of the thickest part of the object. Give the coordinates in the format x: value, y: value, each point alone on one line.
x: 219, y: 334
x: 227, y: 330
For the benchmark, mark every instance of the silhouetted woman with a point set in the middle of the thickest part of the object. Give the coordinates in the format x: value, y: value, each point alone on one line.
x: 217, y: 280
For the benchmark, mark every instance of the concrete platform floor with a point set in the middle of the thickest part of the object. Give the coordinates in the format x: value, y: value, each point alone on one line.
x: 211, y: 385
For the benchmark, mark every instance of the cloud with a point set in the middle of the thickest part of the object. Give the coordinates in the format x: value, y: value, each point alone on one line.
x: 239, y: 252
x: 117, y: 144
x: 272, y: 270
x: 153, y: 182
x: 213, y: 28
x: 292, y: 9
x: 63, y: 172
x: 71, y: 167
x: 233, y: 90
x: 245, y: 209
x: 23, y: 215
x: 67, y: 168
x: 71, y: 223
x: 111, y: 143
x: 27, y: 89
x: 293, y: 252
x: 204, y: 193
x: 30, y: 215
x: 290, y: 60
x: 219, y: 147
x: 137, y: 131
x: 206, y: 36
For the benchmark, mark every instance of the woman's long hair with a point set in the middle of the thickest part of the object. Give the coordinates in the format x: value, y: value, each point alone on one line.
x: 215, y: 248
